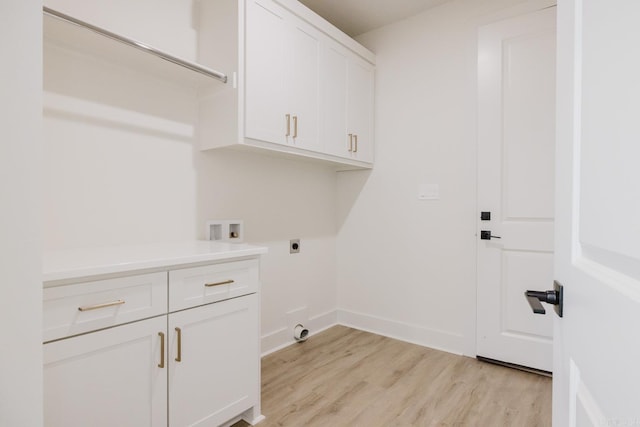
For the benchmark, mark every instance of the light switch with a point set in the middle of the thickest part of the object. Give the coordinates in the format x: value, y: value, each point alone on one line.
x: 429, y: 192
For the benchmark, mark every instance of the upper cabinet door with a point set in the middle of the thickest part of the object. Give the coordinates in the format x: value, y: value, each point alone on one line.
x: 266, y: 46
x: 303, y: 85
x: 334, y: 100
x: 360, y: 108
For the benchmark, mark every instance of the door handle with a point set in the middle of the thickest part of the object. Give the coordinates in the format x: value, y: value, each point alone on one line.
x: 288, y: 117
x: 554, y: 297
x: 486, y: 235
x: 179, y: 338
x: 295, y: 126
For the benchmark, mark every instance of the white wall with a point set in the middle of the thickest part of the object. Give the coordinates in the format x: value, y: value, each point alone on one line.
x: 407, y: 268
x: 20, y: 254
x: 122, y: 166
x: 402, y: 267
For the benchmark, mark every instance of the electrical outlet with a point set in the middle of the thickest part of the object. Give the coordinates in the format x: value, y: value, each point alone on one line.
x: 294, y: 246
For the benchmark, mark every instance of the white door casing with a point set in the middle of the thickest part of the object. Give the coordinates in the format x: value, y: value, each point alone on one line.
x: 597, y: 253
x: 516, y: 138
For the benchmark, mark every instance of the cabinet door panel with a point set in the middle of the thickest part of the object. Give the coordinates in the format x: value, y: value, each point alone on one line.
x: 303, y: 84
x: 265, y: 72
x: 107, y: 378
x: 360, y: 107
x: 218, y: 375
x: 334, y: 100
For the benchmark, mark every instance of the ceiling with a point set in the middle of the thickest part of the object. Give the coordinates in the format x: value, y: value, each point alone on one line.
x: 356, y: 17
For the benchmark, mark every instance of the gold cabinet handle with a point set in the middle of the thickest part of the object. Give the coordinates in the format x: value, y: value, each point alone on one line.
x: 288, y: 116
x: 350, y: 142
x: 161, y: 364
x: 295, y: 126
x: 224, y: 282
x: 179, y: 338
x: 103, y: 305
x: 355, y: 143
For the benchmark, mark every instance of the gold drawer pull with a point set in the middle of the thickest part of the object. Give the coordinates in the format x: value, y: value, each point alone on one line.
x: 179, y: 337
x: 161, y: 364
x: 288, y: 117
x: 225, y: 282
x: 103, y: 305
x: 295, y: 126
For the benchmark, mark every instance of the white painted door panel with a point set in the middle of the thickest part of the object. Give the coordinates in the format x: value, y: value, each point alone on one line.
x: 360, y: 108
x: 107, y: 378
x: 218, y: 374
x: 516, y: 137
x: 265, y: 59
x: 303, y: 85
x: 597, y: 258
x: 334, y: 99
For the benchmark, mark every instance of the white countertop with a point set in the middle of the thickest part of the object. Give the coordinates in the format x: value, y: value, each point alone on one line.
x: 79, y: 263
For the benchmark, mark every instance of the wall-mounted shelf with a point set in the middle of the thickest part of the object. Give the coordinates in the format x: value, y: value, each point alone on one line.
x: 65, y: 30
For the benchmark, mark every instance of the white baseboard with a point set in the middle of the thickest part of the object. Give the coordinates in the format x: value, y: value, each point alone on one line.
x: 283, y: 337
x: 432, y: 338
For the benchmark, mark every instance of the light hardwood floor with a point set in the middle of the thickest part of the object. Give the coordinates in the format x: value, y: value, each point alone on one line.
x: 346, y: 377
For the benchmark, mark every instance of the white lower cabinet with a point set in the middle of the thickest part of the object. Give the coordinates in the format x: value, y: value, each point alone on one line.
x: 212, y: 362
x: 196, y: 364
x: 107, y: 378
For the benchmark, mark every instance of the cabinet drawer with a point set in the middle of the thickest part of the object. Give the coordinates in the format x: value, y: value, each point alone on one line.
x: 84, y: 307
x: 191, y: 287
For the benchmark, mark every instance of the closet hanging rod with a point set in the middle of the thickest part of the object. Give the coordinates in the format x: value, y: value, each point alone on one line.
x: 140, y: 46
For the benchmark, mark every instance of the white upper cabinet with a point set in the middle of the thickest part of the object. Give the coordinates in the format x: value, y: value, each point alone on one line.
x: 281, y: 77
x: 360, y: 109
x: 334, y: 99
x: 347, y: 104
x: 265, y: 67
x: 301, y: 86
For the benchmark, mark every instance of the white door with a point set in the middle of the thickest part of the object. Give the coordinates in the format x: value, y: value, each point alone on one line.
x: 213, y: 369
x: 303, y: 85
x: 597, y: 351
x: 107, y: 378
x: 266, y: 50
x: 334, y: 100
x: 360, y: 108
x: 516, y: 143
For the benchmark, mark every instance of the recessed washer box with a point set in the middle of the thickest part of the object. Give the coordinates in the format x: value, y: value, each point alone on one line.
x: 225, y: 230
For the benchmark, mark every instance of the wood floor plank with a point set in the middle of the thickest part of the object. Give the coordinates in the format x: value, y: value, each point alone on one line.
x: 346, y: 377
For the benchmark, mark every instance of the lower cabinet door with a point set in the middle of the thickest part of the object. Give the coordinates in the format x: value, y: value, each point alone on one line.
x: 107, y: 378
x: 214, y: 357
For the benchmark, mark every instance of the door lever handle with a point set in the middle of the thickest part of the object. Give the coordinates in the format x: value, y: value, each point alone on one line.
x: 554, y: 297
x: 486, y: 235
